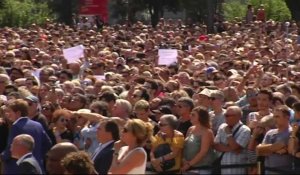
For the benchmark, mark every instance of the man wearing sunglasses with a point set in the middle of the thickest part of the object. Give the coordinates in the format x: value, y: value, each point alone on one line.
x: 232, y: 139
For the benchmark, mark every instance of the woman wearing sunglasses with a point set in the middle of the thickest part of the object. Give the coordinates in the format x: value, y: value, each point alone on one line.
x: 161, y: 159
x: 60, y: 120
x: 131, y: 158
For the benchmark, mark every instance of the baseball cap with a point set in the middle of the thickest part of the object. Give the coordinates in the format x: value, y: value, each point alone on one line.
x: 163, y: 110
x: 32, y: 98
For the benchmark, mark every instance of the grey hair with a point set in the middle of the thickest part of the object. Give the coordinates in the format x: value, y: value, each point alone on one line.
x: 26, y: 140
x: 171, y: 120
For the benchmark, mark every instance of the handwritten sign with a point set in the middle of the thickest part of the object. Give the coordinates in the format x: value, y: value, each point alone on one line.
x: 167, y: 56
x: 73, y: 54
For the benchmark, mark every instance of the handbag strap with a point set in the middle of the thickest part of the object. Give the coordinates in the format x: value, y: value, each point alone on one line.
x: 233, y: 134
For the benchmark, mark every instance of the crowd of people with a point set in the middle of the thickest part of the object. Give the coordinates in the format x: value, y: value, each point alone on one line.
x: 232, y: 96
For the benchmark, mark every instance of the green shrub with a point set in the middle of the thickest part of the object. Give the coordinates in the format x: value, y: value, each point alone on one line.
x: 23, y: 12
x: 275, y: 9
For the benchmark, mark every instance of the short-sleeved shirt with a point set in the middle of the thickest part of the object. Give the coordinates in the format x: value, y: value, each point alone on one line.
x: 175, y: 142
x: 278, y: 160
x: 242, y: 138
x: 217, y: 120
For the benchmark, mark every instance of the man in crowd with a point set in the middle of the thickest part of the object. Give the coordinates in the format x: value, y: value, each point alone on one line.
x: 274, y: 146
x: 17, y: 112
x: 21, y: 149
x: 232, y: 140
x: 108, y: 133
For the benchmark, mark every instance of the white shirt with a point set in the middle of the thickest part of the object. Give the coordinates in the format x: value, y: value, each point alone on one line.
x: 100, y: 148
x: 22, y: 158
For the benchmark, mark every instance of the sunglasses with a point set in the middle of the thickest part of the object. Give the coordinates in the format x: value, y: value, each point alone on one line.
x: 64, y: 120
x: 162, y: 124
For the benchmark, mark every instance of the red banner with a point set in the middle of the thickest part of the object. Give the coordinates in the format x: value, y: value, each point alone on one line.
x: 94, y: 7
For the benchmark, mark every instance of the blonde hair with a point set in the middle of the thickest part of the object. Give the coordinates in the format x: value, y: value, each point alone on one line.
x: 143, y: 131
x: 141, y: 105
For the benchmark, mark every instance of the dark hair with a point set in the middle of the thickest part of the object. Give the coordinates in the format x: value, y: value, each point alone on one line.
x: 296, y: 107
x: 10, y: 86
x: 19, y: 105
x: 154, y: 84
x: 284, y: 110
x: 203, y: 116
x: 82, y: 98
x: 101, y: 106
x: 144, y: 94
x: 78, y: 163
x: 68, y: 73
x: 174, y: 66
x: 108, y: 97
x: 33, y: 80
x: 267, y: 92
x: 167, y: 101
x: 187, y: 101
x: 291, y: 100
x: 189, y: 91
x: 112, y: 127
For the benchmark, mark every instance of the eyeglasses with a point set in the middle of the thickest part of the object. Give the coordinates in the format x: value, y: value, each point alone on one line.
x: 229, y: 115
x: 251, y: 95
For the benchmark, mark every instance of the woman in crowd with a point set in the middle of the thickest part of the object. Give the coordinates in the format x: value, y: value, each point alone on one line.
x: 59, y: 126
x: 167, y: 135
x: 78, y: 163
x: 198, y: 148
x: 130, y: 156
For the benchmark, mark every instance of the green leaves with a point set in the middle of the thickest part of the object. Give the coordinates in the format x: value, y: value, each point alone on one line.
x: 23, y: 13
x: 275, y: 9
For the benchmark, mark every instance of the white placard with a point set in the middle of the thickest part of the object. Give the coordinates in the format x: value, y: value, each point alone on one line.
x: 74, y: 54
x: 100, y: 77
x: 167, y: 56
x: 36, y: 73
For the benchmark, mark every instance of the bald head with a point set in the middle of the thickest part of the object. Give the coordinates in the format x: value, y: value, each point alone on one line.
x: 61, y: 149
x: 56, y: 154
x: 233, y: 115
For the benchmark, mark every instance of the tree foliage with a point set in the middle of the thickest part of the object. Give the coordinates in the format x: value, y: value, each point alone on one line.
x: 275, y: 9
x: 23, y: 13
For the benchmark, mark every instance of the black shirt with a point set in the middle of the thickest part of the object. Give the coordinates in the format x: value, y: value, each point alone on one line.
x: 184, y: 126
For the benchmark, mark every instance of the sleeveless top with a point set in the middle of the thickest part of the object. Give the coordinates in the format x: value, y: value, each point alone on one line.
x: 137, y: 170
x: 192, y: 147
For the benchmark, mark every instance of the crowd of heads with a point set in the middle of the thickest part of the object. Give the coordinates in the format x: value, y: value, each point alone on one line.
x: 245, y: 67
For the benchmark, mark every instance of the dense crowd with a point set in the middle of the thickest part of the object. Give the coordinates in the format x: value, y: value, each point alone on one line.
x: 232, y: 96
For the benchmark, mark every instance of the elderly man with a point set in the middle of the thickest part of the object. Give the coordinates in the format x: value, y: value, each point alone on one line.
x: 232, y: 139
x: 56, y: 154
x: 21, y: 149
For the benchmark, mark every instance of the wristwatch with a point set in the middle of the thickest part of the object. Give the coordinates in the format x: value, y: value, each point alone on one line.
x: 228, y: 135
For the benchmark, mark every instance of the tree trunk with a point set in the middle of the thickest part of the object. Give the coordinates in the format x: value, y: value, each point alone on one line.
x: 156, y: 7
